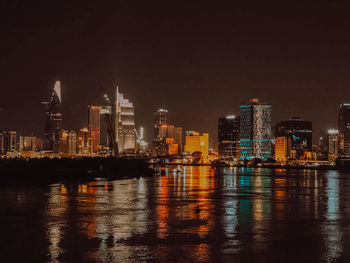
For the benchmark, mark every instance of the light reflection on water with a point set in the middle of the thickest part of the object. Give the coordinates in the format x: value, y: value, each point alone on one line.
x: 198, y: 214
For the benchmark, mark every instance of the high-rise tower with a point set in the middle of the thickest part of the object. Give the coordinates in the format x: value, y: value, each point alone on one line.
x: 228, y: 137
x: 53, y: 122
x: 255, y: 130
x: 344, y: 130
x: 94, y: 126
x: 125, y: 134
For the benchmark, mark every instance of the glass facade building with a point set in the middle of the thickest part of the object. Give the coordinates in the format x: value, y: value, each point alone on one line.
x: 255, y: 130
x: 228, y: 137
x: 53, y: 122
x: 300, y: 133
x: 344, y: 130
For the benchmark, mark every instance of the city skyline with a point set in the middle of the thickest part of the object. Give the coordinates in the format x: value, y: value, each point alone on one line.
x: 206, y: 62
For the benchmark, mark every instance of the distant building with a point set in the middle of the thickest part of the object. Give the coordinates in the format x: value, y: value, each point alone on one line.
x: 300, y: 133
x: 228, y: 137
x: 53, y: 123
x: 160, y: 132
x: 333, y: 144
x: 255, y: 130
x: 196, y: 142
x: 27, y: 143
x: 160, y: 119
x: 282, y: 149
x: 84, y: 142
x: 344, y: 130
x: 106, y: 129
x: 2, y: 151
x: 178, y: 132
x: 94, y: 126
x: 163, y: 132
x: 124, y: 124
x: 9, y: 141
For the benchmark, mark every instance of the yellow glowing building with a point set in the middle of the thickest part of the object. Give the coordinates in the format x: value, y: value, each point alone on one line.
x: 282, y: 149
x: 197, y: 143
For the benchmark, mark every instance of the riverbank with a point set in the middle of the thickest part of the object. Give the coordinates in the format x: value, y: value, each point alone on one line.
x: 61, y: 170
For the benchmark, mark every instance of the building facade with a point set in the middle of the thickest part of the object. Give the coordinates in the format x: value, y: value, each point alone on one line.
x: 27, y: 143
x: 255, y: 130
x: 160, y: 130
x: 333, y: 144
x: 228, y: 137
x: 53, y: 121
x: 196, y: 142
x: 106, y: 129
x: 300, y: 133
x: 125, y: 133
x: 94, y: 126
x: 9, y: 141
x: 344, y: 130
x: 282, y: 149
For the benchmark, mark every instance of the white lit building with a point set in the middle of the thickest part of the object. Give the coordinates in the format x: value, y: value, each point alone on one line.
x: 124, y: 124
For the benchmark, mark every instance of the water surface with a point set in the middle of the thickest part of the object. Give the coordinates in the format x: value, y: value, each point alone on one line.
x: 198, y: 215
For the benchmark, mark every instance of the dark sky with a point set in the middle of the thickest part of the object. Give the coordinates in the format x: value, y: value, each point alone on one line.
x: 201, y: 60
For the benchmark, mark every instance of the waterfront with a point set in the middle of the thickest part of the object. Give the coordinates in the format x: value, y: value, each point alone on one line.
x: 241, y: 214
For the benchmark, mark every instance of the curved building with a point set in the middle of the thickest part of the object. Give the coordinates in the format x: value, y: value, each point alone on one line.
x: 53, y: 121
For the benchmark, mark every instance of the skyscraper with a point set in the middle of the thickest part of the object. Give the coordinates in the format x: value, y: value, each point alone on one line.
x: 344, y: 130
x: 228, y: 137
x: 333, y: 144
x: 106, y: 127
x: 94, y: 126
x: 255, y: 130
x: 300, y: 133
x: 124, y: 124
x: 160, y: 132
x: 160, y: 118
x: 53, y: 122
x: 178, y: 139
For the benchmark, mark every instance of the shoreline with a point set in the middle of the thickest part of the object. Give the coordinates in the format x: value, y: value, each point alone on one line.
x: 66, y: 170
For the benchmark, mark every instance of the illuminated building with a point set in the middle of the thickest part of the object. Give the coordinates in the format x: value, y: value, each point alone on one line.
x: 27, y: 143
x: 164, y: 131
x: 9, y: 141
x: 282, y: 149
x: 344, y: 130
x: 299, y: 132
x: 228, y: 137
x: 72, y: 142
x: 141, y: 143
x: 2, y: 142
x: 106, y: 130
x: 178, y: 139
x: 84, y: 142
x: 39, y: 143
x: 124, y: 124
x: 333, y: 143
x: 197, y: 143
x: 255, y: 130
x: 53, y: 123
x: 160, y: 132
x: 161, y: 117
x: 94, y: 126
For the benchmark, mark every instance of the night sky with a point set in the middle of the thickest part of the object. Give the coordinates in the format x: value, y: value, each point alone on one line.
x: 200, y: 60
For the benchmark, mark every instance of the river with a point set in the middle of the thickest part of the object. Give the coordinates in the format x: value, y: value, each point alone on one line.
x: 196, y: 215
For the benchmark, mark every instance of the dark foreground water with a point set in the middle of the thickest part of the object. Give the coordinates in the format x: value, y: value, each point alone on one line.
x: 242, y: 215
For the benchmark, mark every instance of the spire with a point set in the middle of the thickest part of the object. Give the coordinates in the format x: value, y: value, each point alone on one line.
x: 57, y: 90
